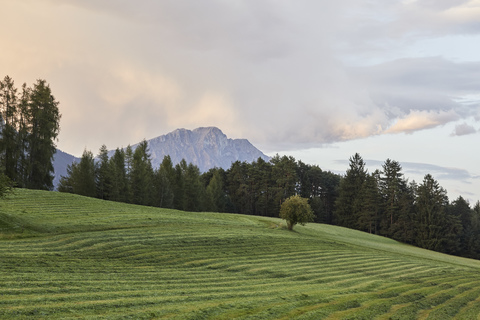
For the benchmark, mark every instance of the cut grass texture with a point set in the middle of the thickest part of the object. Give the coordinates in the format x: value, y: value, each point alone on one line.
x: 64, y: 256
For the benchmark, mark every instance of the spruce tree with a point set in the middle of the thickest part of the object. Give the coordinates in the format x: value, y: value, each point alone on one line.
x: 391, y: 186
x: 142, y: 175
x: 179, y: 185
x: 80, y: 178
x: 128, y: 169
x: 43, y: 126
x: 194, y: 190
x: 23, y: 165
x: 215, y: 194
x: 119, y: 182
x: 461, y: 211
x: 164, y: 184
x: 431, y: 203
x: 404, y: 227
x: 104, y: 174
x: 368, y: 215
x: 85, y: 177
x: 284, y: 173
x: 348, y: 203
x: 237, y: 187
x: 9, y: 115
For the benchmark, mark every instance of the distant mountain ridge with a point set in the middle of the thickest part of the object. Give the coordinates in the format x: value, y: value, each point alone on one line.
x: 205, y: 147
x: 60, y: 162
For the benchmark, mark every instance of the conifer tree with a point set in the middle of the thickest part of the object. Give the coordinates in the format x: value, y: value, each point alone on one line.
x: 43, y: 120
x: 215, y: 195
x: 404, y: 227
x: 128, y: 169
x: 80, y: 177
x: 431, y: 217
x: 348, y: 203
x: 179, y: 185
x: 9, y: 151
x: 368, y: 215
x: 164, y: 184
x: 391, y: 186
x: 237, y: 187
x: 284, y: 173
x: 119, y: 182
x: 461, y: 211
x: 103, y: 174
x: 194, y: 190
x: 141, y: 175
x: 263, y: 186
x: 23, y: 166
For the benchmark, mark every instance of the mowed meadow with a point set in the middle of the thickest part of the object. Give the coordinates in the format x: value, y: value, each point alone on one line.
x: 69, y: 257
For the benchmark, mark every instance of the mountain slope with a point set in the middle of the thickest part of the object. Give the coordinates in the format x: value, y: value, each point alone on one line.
x: 60, y: 162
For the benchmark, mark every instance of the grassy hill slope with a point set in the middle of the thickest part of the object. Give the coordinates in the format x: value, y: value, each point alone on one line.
x: 69, y: 257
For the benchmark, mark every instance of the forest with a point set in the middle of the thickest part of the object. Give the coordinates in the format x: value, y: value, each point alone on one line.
x: 382, y: 202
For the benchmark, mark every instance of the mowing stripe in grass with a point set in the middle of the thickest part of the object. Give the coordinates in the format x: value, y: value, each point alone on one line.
x: 100, y: 260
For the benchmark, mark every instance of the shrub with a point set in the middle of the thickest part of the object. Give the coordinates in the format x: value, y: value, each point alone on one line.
x: 5, y: 185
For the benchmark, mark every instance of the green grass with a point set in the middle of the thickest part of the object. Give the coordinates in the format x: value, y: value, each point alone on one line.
x: 69, y: 257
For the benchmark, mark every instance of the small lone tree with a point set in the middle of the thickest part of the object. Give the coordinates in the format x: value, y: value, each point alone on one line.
x: 296, y: 210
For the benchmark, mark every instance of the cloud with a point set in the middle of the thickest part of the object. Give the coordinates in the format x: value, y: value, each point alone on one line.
x: 439, y: 172
x: 420, y: 120
x: 274, y: 72
x: 419, y: 170
x: 421, y: 93
x: 463, y: 129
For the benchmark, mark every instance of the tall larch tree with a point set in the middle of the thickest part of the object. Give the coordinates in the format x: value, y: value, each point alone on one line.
x: 43, y: 120
x: 9, y: 151
x: 23, y: 165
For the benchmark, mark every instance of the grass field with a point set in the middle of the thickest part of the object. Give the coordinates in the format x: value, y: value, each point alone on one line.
x: 69, y: 257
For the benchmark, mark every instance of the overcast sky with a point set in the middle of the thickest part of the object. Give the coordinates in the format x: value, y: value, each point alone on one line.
x: 319, y: 80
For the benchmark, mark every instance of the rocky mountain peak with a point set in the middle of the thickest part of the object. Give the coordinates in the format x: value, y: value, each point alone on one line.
x: 205, y: 147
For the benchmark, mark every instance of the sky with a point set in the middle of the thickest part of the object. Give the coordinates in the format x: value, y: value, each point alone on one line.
x: 317, y: 80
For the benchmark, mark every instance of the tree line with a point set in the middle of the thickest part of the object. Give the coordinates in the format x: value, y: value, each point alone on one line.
x: 29, y: 126
x: 257, y: 188
x: 382, y: 202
